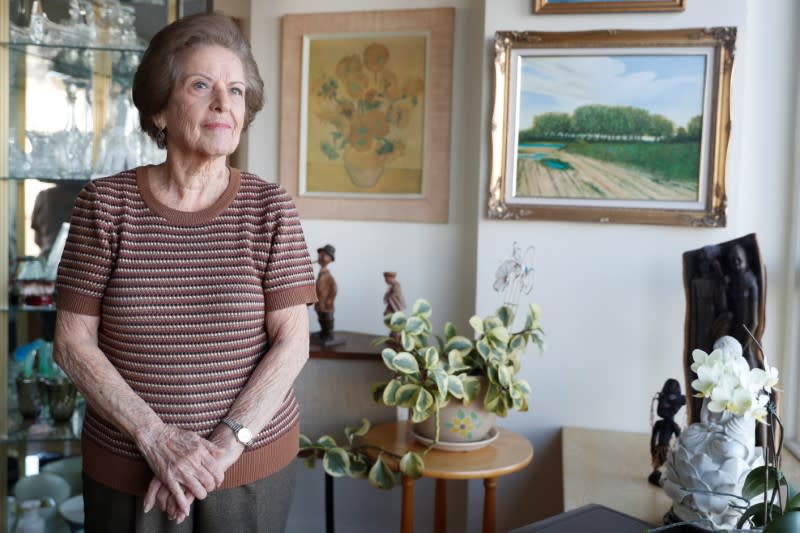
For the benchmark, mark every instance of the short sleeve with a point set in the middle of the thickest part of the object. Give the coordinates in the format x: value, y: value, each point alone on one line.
x: 289, y: 276
x: 88, y: 257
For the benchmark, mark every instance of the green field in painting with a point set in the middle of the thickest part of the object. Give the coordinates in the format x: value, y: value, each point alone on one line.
x: 675, y: 161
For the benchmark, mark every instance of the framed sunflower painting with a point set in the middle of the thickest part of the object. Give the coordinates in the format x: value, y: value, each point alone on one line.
x: 366, y: 114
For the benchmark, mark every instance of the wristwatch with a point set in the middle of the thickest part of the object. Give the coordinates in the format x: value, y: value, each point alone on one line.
x: 243, y: 435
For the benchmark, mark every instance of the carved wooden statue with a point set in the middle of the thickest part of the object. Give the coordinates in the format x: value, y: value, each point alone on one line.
x: 725, y: 295
x: 394, y: 294
x: 669, y: 401
x: 326, y: 295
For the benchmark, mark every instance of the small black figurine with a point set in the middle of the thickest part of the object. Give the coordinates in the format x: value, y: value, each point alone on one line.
x: 670, y: 401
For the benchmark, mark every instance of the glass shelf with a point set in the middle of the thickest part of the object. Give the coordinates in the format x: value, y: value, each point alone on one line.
x: 46, y: 180
x: 29, y: 309
x: 78, y: 63
x: 51, y: 49
x: 22, y: 430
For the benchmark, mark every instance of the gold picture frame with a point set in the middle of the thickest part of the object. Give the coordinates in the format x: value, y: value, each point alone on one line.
x: 605, y: 6
x: 626, y: 126
x: 365, y: 114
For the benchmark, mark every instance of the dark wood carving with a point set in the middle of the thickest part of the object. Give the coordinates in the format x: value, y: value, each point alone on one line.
x: 725, y: 288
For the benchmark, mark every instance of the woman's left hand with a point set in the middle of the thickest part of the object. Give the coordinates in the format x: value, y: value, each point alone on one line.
x: 165, y: 500
x: 266, y: 389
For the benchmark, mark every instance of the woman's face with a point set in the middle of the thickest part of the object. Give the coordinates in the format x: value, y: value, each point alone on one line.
x: 206, y: 109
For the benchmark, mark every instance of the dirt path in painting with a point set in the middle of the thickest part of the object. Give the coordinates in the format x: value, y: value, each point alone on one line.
x: 592, y: 178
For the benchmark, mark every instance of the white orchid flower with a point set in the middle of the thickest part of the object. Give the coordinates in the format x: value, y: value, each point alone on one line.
x: 741, y: 402
x: 729, y: 382
x: 701, y: 358
x: 720, y: 399
x: 707, y: 379
x: 765, y: 379
x: 759, y: 408
x: 726, y: 379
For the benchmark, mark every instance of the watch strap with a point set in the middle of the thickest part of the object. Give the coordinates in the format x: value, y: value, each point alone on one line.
x: 236, y: 427
x: 233, y: 424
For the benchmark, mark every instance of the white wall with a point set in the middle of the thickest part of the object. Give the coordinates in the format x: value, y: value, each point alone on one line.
x: 434, y: 261
x: 612, y: 295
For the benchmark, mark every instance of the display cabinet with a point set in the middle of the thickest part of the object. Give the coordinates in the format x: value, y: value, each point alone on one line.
x: 66, y: 117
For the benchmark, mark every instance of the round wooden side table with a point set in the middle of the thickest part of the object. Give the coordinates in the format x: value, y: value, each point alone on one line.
x: 509, y: 453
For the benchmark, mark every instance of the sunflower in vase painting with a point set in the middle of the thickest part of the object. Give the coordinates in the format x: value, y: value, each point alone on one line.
x: 369, y: 110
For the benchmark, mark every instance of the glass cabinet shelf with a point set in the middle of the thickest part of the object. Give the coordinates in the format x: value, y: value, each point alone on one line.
x: 51, y: 49
x: 44, y: 179
x: 73, y: 117
x: 66, y: 117
x: 29, y: 309
x: 21, y: 430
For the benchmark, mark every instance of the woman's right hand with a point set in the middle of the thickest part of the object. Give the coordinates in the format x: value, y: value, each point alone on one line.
x: 181, y: 458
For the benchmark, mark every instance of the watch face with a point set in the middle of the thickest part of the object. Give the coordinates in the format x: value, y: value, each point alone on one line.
x: 244, y: 435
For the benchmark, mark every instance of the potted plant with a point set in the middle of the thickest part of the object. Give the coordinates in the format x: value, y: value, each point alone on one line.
x: 425, y: 378
x: 429, y: 372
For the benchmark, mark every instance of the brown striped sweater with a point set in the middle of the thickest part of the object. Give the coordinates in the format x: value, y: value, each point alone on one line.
x: 181, y: 298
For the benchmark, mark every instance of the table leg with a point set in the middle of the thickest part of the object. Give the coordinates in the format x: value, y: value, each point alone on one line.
x: 4, y: 510
x: 329, y: 527
x: 440, y: 508
x: 489, y: 521
x: 407, y: 518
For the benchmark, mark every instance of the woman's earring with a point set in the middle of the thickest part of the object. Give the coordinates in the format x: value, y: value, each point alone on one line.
x: 161, y: 137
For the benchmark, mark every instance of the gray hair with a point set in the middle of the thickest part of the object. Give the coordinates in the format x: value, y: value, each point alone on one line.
x: 160, y: 67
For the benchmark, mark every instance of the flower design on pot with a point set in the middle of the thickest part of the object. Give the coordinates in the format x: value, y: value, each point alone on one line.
x: 464, y: 423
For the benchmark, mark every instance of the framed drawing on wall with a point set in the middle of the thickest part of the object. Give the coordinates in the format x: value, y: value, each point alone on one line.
x: 612, y: 126
x: 606, y: 6
x: 365, y: 114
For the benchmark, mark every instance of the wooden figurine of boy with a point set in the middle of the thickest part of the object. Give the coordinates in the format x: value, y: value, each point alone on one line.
x: 326, y: 295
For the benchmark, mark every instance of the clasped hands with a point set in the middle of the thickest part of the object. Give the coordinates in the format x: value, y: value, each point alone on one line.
x: 186, y: 467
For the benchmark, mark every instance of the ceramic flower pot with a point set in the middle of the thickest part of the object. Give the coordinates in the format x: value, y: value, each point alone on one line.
x: 459, y: 423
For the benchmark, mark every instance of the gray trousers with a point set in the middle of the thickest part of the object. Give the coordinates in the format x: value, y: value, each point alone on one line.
x: 262, y: 506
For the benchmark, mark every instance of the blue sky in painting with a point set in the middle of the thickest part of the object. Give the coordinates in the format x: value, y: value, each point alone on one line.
x: 669, y: 85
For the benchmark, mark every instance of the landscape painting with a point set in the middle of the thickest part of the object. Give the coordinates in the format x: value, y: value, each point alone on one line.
x: 625, y: 126
x: 609, y: 127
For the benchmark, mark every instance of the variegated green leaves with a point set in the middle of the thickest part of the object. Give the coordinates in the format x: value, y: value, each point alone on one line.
x: 353, y: 461
x: 426, y: 377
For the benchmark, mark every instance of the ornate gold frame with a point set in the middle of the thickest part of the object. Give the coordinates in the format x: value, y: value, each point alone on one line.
x: 548, y: 7
x: 718, y: 42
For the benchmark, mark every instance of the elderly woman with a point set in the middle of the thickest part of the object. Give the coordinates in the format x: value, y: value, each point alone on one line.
x: 182, y: 297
